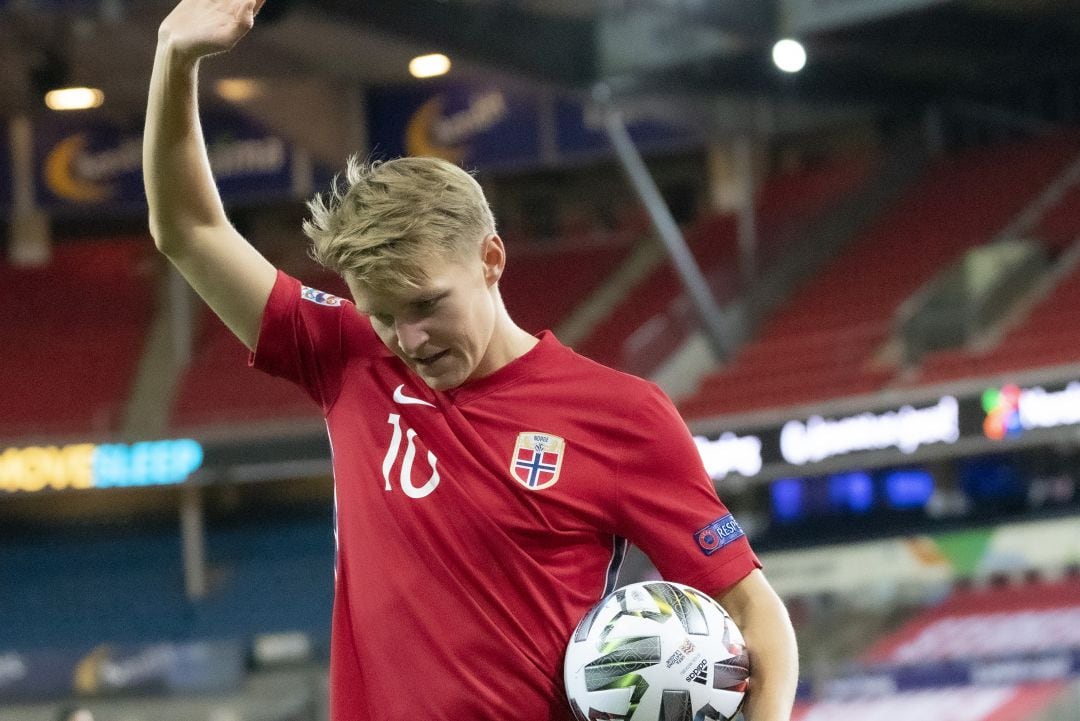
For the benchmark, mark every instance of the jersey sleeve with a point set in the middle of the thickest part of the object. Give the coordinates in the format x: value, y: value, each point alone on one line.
x: 668, y: 507
x: 301, y: 338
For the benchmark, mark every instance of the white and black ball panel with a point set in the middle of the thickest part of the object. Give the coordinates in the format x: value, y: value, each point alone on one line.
x: 656, y: 651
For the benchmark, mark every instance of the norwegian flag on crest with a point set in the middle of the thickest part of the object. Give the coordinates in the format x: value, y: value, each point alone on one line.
x: 537, y: 459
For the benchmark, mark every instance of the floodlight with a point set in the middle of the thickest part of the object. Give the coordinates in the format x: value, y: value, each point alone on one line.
x: 789, y: 55
x: 429, y: 66
x: 74, y: 98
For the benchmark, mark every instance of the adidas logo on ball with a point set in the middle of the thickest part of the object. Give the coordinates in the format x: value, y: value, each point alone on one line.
x: 700, y: 673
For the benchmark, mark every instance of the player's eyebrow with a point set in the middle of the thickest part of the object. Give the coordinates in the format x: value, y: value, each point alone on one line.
x: 421, y: 299
x: 430, y: 298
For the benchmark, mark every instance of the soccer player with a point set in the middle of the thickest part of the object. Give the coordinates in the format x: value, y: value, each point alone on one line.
x: 485, y: 478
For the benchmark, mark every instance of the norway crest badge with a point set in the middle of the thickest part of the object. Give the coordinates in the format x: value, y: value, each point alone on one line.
x: 537, y: 459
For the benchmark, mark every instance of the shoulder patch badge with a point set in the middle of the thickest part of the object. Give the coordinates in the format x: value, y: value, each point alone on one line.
x: 537, y: 459
x: 718, y: 534
x: 318, y: 297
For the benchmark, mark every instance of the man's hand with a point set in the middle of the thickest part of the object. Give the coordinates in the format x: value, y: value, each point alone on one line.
x: 197, y: 28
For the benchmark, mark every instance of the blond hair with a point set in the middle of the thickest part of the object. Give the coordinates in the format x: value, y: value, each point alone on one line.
x: 388, y: 218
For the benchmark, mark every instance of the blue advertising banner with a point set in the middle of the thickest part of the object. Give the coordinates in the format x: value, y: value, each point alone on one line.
x: 577, y: 133
x: 199, y: 666
x: 42, y: 674
x: 1049, y: 666
x: 475, y: 126
x: 98, y: 165
x: 488, y: 127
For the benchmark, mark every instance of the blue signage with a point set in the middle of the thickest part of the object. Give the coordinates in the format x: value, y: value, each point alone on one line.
x: 491, y: 127
x: 473, y: 125
x: 149, y: 463
x: 1057, y: 665
x: 188, y: 667
x: 93, y: 164
x: 579, y: 133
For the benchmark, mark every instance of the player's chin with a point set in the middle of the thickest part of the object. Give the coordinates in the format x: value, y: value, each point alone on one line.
x: 438, y: 384
x: 444, y: 377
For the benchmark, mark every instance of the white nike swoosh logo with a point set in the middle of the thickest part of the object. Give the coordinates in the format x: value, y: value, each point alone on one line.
x: 400, y: 397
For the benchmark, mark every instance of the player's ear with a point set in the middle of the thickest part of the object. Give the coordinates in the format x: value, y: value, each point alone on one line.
x: 493, y: 257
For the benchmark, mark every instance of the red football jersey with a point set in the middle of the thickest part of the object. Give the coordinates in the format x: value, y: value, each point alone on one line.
x: 476, y: 526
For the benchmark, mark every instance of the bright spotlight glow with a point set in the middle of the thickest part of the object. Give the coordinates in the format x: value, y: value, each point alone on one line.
x: 789, y: 55
x: 429, y: 66
x: 74, y: 98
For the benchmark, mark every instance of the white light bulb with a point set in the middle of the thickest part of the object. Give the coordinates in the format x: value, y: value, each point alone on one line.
x: 74, y: 98
x: 429, y: 66
x: 789, y: 55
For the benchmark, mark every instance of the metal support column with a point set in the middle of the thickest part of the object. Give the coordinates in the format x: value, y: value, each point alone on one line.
x: 30, y: 242
x: 193, y: 535
x: 743, y: 152
x: 668, y: 230
x: 181, y: 318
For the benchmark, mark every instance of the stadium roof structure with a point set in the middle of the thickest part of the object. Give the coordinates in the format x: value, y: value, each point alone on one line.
x: 888, y: 53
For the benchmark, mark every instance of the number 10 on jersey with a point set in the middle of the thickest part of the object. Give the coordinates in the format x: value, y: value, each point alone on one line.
x: 405, y: 472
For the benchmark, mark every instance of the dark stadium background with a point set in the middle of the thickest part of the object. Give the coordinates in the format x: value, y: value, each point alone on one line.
x: 878, y: 347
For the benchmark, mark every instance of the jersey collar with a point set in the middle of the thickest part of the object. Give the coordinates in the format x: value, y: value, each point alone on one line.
x: 532, y: 363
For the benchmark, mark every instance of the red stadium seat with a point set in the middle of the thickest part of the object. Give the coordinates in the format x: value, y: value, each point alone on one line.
x: 1047, y: 337
x: 73, y: 335
x: 785, y: 203
x: 825, y: 340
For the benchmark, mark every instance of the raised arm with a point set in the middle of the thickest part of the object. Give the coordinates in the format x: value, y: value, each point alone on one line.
x: 187, y: 218
x: 774, y: 659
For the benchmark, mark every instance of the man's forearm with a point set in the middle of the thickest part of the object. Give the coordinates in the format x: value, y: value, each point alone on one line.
x: 180, y: 189
x: 770, y: 640
x: 774, y: 663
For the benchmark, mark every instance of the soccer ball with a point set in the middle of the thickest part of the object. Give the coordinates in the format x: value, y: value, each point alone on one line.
x: 656, y: 651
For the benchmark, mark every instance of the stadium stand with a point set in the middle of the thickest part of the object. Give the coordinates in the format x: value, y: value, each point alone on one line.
x: 785, y: 203
x: 1008, y: 703
x: 1048, y: 336
x: 125, y: 586
x: 275, y: 574
x: 789, y: 199
x: 117, y: 588
x: 1045, y: 335
x: 217, y: 387
x: 712, y: 240
x: 823, y: 342
x: 963, y: 659
x: 544, y: 281
x: 73, y: 333
x: 1059, y: 227
x: 992, y: 622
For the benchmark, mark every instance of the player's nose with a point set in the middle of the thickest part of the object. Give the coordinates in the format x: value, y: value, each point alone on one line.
x: 411, y: 338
